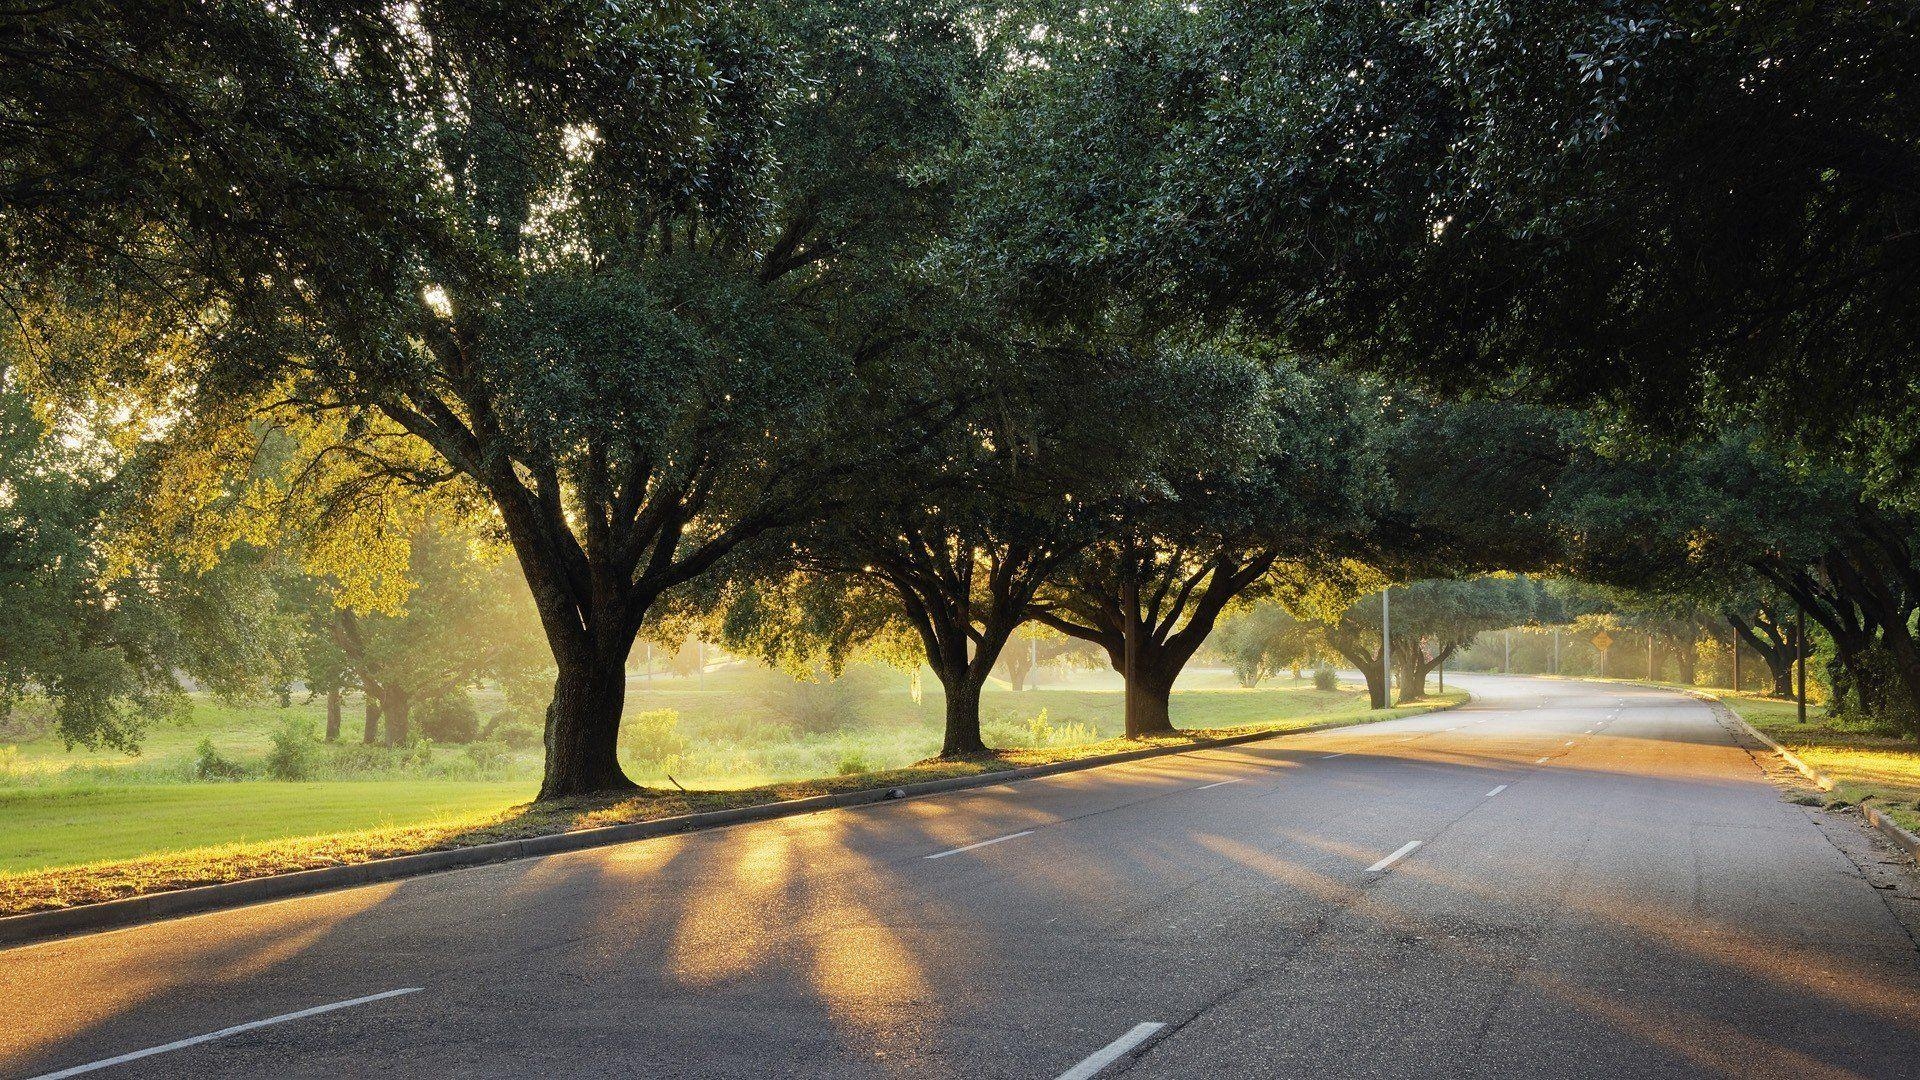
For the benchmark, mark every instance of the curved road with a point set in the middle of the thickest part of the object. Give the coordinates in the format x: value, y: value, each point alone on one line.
x: 1563, y: 879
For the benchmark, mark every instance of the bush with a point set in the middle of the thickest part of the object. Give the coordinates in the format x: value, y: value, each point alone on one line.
x: 489, y: 755
x: 653, y: 737
x: 1324, y: 678
x: 358, y: 759
x: 509, y: 728
x: 521, y: 736
x: 417, y: 754
x: 852, y: 762
x: 999, y: 731
x: 210, y: 764
x: 296, y: 753
x: 450, y: 718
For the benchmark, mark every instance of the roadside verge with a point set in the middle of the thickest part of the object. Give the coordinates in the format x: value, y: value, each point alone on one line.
x: 1892, y: 830
x: 147, y: 907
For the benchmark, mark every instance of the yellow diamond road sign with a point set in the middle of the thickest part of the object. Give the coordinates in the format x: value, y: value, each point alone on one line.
x: 1601, y: 640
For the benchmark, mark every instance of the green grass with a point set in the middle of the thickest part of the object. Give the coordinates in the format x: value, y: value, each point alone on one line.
x: 1878, y: 770
x: 45, y: 828
x: 82, y: 843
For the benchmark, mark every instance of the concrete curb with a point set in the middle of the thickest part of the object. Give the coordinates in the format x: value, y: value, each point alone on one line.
x: 1900, y: 837
x: 130, y: 911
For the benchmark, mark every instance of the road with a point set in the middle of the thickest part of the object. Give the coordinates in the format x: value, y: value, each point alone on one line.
x: 1563, y: 879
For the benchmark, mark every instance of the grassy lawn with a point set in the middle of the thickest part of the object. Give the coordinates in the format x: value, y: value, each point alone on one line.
x: 66, y: 845
x: 43, y: 828
x: 1872, y: 769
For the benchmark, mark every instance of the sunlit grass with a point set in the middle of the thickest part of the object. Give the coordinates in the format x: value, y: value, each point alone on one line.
x: 218, y: 840
x: 1878, y: 770
x: 44, y: 828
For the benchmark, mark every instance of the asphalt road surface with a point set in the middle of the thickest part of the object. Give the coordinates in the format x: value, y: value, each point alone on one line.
x: 1562, y: 879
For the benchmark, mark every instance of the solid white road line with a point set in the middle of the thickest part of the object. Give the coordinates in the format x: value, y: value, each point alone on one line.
x: 1405, y: 850
x: 1111, y: 1052
x: 1220, y: 783
x: 1542, y: 761
x: 1330, y: 757
x: 1494, y: 792
x: 981, y: 844
x: 224, y: 1032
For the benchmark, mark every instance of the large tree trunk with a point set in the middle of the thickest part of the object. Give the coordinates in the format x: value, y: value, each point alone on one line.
x: 1369, y: 667
x: 1149, y: 694
x: 1772, y: 643
x: 1906, y: 659
x: 333, y: 715
x: 583, y: 728
x: 1018, y: 661
x: 1780, y: 669
x: 1686, y: 655
x: 395, y: 706
x: 962, y: 735
x: 1412, y: 667
x: 370, y: 710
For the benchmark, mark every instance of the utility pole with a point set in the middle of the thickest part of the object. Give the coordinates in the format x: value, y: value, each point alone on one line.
x: 1736, y: 663
x: 1652, y: 672
x: 1386, y: 648
x: 1556, y: 650
x: 1506, y: 664
x: 1800, y: 647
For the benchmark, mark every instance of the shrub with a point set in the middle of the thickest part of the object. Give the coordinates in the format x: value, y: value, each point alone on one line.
x: 1042, y: 732
x: 354, y: 759
x: 450, y: 718
x: 521, y: 735
x: 296, y: 753
x: 210, y: 764
x: 417, y: 754
x: 510, y: 728
x: 998, y: 731
x: 1324, y: 678
x: 490, y: 754
x: 653, y: 737
x: 853, y: 761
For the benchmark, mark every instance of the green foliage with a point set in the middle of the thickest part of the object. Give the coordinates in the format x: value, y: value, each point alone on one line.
x: 515, y: 733
x: 490, y: 755
x: 1042, y: 732
x: 98, y: 635
x: 653, y: 738
x: 210, y: 764
x: 1325, y: 679
x: 1262, y: 640
x: 449, y: 718
x: 296, y: 753
x: 1647, y: 209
